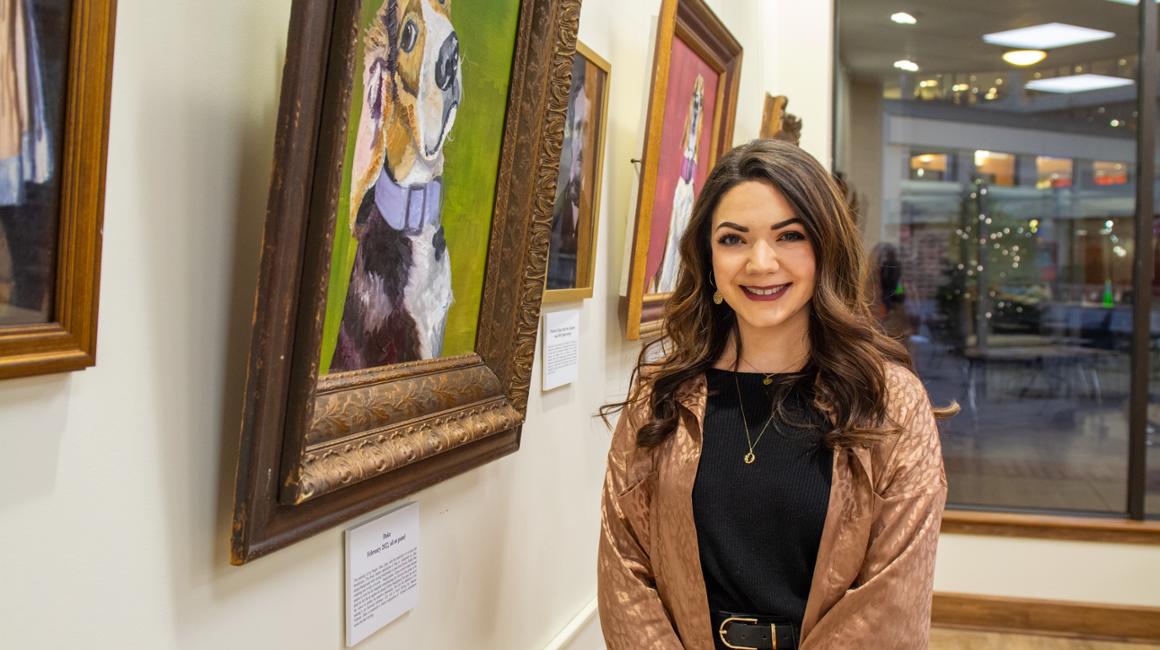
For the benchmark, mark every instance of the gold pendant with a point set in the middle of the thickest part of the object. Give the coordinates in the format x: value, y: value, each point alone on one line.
x: 749, y: 458
x: 767, y: 381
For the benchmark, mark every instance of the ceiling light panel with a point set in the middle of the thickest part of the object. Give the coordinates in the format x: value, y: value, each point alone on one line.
x: 1046, y: 36
x: 903, y: 18
x: 1078, y: 83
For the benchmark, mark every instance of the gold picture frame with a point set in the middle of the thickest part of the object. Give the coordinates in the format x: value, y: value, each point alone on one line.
x: 585, y: 184
x: 68, y: 340
x: 696, y: 70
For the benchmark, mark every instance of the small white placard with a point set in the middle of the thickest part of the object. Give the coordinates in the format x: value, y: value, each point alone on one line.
x: 382, y: 571
x: 561, y: 347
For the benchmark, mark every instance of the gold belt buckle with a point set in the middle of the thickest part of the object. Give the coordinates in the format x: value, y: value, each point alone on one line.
x: 741, y: 619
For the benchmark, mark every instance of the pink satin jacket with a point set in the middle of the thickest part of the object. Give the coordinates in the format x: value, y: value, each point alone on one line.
x: 872, y: 581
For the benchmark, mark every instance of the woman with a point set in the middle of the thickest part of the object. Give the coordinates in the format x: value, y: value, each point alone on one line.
x: 776, y: 475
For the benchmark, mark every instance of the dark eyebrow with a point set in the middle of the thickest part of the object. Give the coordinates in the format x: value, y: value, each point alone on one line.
x: 787, y: 222
x: 730, y: 224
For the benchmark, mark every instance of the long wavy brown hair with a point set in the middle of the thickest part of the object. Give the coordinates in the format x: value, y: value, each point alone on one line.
x: 846, y: 372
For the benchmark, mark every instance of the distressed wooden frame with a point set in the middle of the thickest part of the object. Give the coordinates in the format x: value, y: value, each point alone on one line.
x: 69, y: 342
x: 317, y: 451
x: 693, y: 22
x: 587, y: 238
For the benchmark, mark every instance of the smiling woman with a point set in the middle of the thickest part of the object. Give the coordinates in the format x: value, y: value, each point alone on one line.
x: 763, y: 265
x: 768, y: 335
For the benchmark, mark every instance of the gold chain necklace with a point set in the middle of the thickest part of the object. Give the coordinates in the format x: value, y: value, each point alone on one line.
x: 767, y: 378
x: 750, y: 457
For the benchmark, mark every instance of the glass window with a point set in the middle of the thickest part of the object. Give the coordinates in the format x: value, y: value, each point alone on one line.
x: 1005, y: 191
x: 995, y: 168
x: 1052, y: 172
x: 929, y: 166
x: 1109, y: 173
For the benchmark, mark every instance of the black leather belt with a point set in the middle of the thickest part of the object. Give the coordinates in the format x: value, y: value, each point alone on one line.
x: 754, y: 632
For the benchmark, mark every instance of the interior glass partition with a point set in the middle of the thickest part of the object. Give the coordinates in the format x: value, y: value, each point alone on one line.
x: 998, y: 201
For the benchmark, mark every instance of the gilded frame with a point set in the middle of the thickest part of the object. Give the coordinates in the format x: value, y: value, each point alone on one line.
x: 590, y: 224
x: 694, y: 23
x: 317, y: 451
x: 69, y: 342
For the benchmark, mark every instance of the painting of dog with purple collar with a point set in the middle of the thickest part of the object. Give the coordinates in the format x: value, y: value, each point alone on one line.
x: 684, y: 157
x: 397, y: 252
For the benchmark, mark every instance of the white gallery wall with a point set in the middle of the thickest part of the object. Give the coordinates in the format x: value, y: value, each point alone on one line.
x: 115, y: 503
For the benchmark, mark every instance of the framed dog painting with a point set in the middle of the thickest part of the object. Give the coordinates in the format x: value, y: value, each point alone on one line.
x: 55, y: 64
x: 576, y: 210
x: 405, y: 250
x: 696, y: 71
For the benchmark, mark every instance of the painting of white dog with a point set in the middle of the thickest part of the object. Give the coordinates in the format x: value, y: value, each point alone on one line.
x: 393, y: 270
x: 686, y: 139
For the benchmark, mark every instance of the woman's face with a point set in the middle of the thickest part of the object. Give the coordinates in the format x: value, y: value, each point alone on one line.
x: 763, y: 261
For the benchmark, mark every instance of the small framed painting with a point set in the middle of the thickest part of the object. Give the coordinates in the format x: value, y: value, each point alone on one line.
x: 576, y: 209
x: 692, y: 105
x: 56, y: 61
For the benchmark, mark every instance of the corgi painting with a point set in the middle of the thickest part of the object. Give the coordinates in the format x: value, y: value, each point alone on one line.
x: 393, y: 274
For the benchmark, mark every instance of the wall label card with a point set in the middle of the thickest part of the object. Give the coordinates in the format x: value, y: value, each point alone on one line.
x: 561, y: 347
x: 382, y: 571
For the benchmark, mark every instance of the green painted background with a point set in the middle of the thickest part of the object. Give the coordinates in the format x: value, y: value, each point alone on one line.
x: 486, y: 33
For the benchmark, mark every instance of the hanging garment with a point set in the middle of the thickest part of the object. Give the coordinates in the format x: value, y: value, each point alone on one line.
x: 24, y: 137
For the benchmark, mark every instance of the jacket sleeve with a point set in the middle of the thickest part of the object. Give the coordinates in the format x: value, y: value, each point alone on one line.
x: 889, y: 604
x: 632, y: 615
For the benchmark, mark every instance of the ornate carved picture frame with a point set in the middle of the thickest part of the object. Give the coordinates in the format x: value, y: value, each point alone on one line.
x: 322, y: 440
x: 691, y: 109
x: 55, y: 123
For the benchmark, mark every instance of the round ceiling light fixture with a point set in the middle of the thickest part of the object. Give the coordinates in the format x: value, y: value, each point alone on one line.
x: 907, y: 65
x: 903, y: 18
x: 1024, y: 57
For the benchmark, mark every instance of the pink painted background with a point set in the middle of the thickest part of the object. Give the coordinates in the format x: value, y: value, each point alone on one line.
x: 684, y: 66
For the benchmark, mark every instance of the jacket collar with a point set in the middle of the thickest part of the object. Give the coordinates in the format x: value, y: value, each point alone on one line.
x: 693, y: 394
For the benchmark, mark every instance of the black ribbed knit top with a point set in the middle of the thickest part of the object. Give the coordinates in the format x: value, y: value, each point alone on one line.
x: 759, y: 525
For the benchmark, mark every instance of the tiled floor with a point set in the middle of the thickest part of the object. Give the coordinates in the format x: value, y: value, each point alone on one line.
x: 1051, y: 437
x: 945, y: 639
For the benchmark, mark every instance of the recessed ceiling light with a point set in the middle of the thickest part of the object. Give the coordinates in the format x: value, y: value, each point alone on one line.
x: 1129, y: 2
x: 906, y: 64
x: 1046, y: 36
x: 1077, y: 83
x: 1024, y: 57
x: 903, y: 18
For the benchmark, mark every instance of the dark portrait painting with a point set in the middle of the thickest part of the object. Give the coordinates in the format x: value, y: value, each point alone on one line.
x: 576, y: 210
